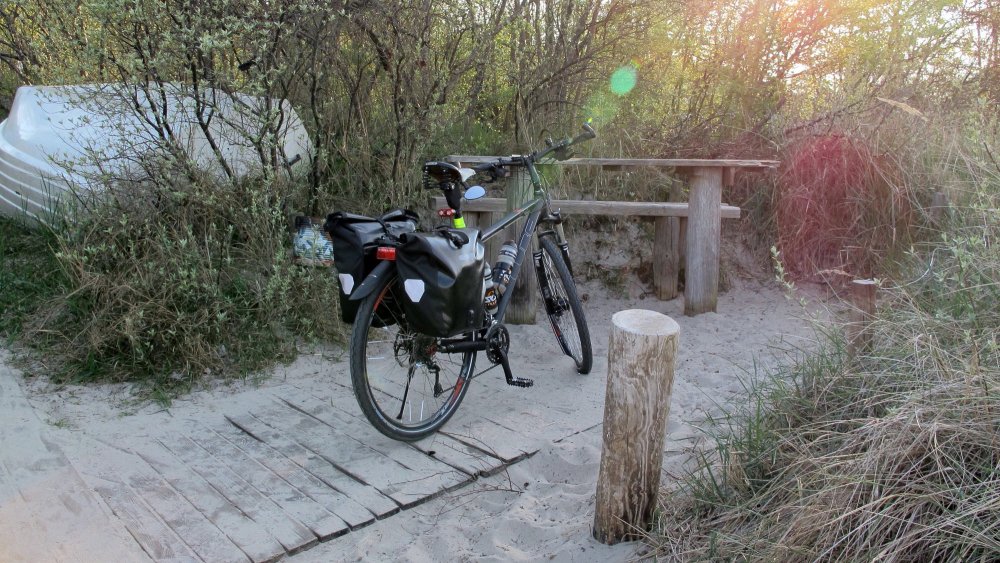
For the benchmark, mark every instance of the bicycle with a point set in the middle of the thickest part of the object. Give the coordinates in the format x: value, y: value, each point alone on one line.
x: 409, y: 384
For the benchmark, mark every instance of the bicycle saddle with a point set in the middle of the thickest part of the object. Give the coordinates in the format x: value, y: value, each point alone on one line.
x: 446, y: 172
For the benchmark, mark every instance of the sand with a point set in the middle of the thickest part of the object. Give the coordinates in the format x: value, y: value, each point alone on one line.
x: 540, y: 508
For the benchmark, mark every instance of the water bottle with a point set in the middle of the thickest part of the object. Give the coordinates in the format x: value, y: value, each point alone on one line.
x: 505, y: 263
x: 491, y: 300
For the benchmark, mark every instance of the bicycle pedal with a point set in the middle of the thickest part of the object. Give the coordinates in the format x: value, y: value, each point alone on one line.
x: 520, y: 382
x: 511, y: 380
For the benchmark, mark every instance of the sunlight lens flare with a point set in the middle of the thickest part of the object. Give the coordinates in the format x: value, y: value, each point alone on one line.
x: 623, y: 80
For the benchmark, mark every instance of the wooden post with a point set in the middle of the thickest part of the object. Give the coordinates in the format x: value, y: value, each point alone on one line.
x: 667, y: 251
x: 666, y: 256
x: 859, y: 336
x: 492, y: 245
x: 522, y: 307
x: 939, y: 209
x: 704, y: 232
x: 729, y: 176
x: 641, y: 353
x: 682, y: 242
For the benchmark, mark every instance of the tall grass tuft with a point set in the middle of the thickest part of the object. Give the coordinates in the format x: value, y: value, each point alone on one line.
x: 29, y: 273
x: 840, y: 208
x: 892, y: 455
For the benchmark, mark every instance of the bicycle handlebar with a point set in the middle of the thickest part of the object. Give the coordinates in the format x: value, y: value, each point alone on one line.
x: 588, y: 133
x: 495, y: 169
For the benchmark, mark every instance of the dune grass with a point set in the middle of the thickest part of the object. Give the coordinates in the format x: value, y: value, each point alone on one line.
x: 29, y: 273
x: 891, y: 454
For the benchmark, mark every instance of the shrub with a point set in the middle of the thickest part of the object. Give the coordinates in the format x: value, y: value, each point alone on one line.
x: 840, y: 209
x: 170, y: 281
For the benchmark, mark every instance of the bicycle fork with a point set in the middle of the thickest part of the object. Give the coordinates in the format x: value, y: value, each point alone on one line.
x: 555, y: 217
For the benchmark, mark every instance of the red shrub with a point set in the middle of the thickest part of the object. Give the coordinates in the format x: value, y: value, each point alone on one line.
x: 840, y: 209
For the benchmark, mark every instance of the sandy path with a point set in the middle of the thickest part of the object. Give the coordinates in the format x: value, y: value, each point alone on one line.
x: 540, y: 508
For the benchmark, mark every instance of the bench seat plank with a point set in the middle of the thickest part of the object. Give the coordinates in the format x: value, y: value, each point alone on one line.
x: 752, y: 165
x: 586, y: 207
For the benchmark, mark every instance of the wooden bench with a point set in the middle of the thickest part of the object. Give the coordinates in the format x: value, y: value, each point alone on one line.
x: 670, y: 219
x: 701, y: 236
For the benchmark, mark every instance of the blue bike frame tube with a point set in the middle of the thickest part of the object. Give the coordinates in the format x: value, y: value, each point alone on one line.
x: 522, y: 250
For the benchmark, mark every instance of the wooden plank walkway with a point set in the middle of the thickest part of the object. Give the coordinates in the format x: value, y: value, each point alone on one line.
x: 47, y: 511
x: 262, y: 479
x: 256, y: 486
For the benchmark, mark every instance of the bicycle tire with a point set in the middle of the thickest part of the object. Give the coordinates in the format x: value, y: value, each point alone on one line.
x: 563, y: 307
x: 392, y: 374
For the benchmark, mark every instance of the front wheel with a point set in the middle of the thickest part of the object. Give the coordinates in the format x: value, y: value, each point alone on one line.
x: 562, y: 305
x: 405, y: 386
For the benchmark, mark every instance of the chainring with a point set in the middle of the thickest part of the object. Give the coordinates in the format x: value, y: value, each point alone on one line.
x: 499, y: 341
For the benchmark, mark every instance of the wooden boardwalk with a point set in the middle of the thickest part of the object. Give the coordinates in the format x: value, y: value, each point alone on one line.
x: 274, y: 472
x: 255, y: 486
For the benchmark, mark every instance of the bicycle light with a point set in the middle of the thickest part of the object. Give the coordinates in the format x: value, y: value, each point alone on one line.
x: 386, y: 253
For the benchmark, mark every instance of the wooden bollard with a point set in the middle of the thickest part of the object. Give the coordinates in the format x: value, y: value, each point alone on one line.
x: 641, y: 353
x: 859, y: 336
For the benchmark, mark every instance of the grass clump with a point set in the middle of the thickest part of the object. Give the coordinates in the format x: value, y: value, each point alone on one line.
x: 888, y: 455
x: 30, y: 274
x: 163, y: 282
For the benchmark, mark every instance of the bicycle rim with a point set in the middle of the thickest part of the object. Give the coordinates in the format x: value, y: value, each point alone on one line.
x: 563, y: 307
x: 406, y: 388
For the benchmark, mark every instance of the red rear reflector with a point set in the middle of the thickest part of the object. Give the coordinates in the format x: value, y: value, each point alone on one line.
x: 385, y: 253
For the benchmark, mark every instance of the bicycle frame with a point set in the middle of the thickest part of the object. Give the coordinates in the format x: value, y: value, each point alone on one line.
x: 533, y: 211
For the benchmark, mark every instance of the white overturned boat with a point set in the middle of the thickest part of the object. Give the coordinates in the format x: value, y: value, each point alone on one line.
x: 62, y: 140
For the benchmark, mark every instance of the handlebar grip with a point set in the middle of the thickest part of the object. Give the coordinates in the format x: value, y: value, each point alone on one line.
x: 493, y: 169
x: 588, y: 133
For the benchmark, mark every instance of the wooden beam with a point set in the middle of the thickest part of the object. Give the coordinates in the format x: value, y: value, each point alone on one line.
x: 666, y: 257
x: 748, y: 165
x: 587, y: 207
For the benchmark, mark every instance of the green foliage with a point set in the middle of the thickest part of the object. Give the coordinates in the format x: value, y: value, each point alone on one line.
x: 30, y: 275
x: 175, y: 284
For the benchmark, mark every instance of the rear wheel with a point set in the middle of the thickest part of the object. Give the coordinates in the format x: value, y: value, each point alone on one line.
x: 563, y: 307
x: 405, y: 386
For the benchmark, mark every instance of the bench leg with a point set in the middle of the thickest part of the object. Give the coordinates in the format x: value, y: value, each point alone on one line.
x: 522, y: 306
x: 666, y: 256
x: 701, y: 278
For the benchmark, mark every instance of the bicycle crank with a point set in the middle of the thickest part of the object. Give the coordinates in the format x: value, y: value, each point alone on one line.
x: 499, y: 344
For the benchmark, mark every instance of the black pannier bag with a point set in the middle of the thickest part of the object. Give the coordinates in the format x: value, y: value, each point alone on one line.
x: 441, y: 274
x: 354, y: 242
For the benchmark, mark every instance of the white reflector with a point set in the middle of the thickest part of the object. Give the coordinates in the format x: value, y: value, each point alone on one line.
x: 414, y: 289
x: 347, y: 282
